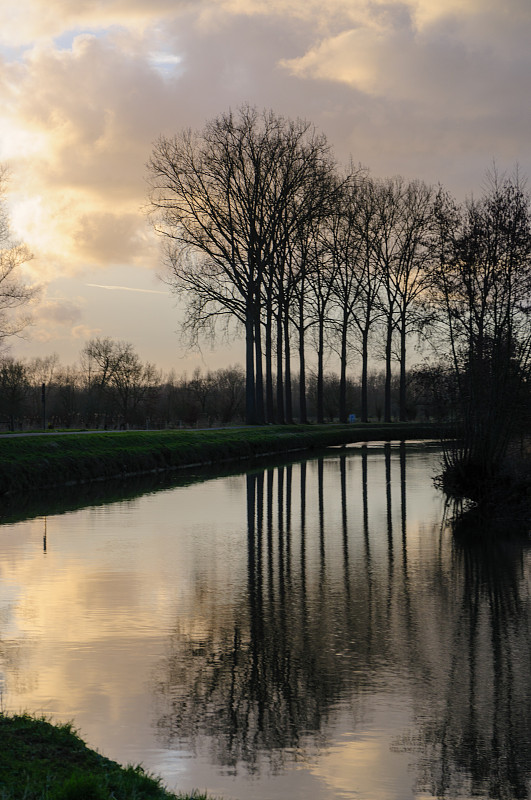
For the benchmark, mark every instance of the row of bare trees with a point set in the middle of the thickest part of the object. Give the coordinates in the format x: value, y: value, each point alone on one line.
x: 262, y: 228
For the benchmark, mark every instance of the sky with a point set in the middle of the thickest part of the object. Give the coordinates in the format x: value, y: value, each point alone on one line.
x: 435, y: 90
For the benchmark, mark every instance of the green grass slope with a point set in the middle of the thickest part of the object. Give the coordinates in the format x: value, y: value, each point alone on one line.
x: 37, y: 462
x: 41, y: 761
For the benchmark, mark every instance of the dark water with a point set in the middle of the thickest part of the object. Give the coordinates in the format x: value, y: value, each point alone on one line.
x: 305, y: 631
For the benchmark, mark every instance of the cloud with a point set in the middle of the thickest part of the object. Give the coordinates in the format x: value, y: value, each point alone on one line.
x: 433, y: 89
x: 428, y: 54
x: 78, y: 182
x: 84, y: 332
x: 436, y: 88
x: 109, y: 238
x: 80, y: 117
x: 62, y: 311
x: 53, y: 318
x: 30, y: 20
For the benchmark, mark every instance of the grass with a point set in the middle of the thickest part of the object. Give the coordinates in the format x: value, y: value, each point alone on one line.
x: 39, y: 462
x: 41, y: 761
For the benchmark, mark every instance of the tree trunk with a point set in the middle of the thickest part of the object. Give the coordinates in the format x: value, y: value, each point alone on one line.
x: 403, y: 409
x: 250, y: 397
x: 343, y: 373
x: 320, y: 376
x: 259, y: 379
x: 270, y: 410
x: 388, y: 355
x: 303, y: 411
x: 364, y: 375
x: 287, y: 371
x: 280, y: 379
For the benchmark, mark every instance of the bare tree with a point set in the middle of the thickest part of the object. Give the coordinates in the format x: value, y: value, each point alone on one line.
x: 304, y: 255
x: 401, y: 248
x: 385, y: 243
x: 117, y: 377
x: 483, y: 291
x: 14, y: 291
x: 352, y: 297
x: 14, y: 389
x: 413, y: 272
x: 368, y: 311
x: 68, y: 395
x: 321, y: 280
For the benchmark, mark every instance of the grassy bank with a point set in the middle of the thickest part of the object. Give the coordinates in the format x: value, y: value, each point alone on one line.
x: 64, y: 499
x: 41, y: 761
x: 39, y: 462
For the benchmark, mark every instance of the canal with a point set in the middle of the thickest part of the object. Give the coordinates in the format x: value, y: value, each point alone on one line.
x: 304, y: 630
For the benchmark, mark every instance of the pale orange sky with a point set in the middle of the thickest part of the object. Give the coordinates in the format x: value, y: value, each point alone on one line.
x: 430, y: 89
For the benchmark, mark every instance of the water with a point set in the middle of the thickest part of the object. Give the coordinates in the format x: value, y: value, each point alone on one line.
x: 304, y: 631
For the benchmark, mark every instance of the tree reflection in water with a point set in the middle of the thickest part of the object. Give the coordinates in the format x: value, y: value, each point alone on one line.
x: 331, y: 609
x: 478, y: 737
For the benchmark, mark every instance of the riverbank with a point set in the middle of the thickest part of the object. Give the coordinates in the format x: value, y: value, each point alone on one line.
x: 60, y: 459
x: 41, y: 761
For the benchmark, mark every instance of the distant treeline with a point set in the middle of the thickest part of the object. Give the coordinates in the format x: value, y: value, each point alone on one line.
x: 112, y: 388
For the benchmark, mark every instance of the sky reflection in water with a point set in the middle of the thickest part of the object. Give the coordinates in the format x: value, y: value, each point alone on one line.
x: 309, y: 630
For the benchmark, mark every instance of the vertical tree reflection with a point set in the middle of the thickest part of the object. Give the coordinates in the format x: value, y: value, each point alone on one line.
x: 320, y: 494
x: 481, y: 740
x: 405, y: 572
x: 303, y: 537
x: 289, y: 475
x: 311, y: 629
x: 344, y: 526
x: 389, y: 504
x: 367, y: 546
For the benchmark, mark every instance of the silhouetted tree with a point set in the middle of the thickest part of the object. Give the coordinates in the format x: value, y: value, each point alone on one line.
x: 14, y: 389
x: 15, y: 292
x: 484, y: 300
x: 118, y: 378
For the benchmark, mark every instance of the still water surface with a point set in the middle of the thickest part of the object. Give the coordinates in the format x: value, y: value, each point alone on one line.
x: 303, y: 631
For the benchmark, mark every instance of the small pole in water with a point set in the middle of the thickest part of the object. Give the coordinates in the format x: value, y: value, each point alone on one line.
x: 44, y: 537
